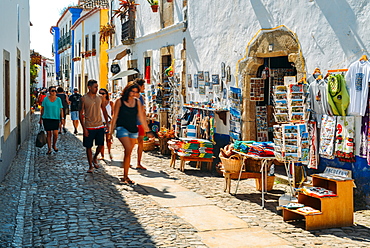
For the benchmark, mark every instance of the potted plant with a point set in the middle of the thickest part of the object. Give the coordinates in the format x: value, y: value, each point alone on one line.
x: 153, y: 5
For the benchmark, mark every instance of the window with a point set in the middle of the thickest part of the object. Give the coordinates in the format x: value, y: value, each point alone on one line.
x: 79, y: 48
x: 167, y: 13
x: 93, y: 41
x: 7, y: 89
x: 87, y: 43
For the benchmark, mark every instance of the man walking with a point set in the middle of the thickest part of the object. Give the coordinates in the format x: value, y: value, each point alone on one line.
x: 92, y: 123
x: 75, y: 103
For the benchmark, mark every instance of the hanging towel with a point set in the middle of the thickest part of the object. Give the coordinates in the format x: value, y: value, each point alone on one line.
x: 345, y: 139
x: 313, y: 161
x: 327, y: 136
x: 338, y: 96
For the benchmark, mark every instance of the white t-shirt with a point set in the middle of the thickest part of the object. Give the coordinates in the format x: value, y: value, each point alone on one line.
x: 357, y: 79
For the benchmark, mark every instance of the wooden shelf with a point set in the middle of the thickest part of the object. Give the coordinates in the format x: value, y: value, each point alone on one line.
x: 336, y: 211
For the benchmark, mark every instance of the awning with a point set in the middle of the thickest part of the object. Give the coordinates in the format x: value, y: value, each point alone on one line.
x: 123, y: 74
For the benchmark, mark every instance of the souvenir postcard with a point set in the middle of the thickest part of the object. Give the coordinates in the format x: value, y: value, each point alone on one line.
x: 280, y: 96
x: 297, y: 116
x: 278, y: 142
x: 297, y: 109
x: 195, y: 81
x: 296, y: 102
x: 280, y: 88
x: 189, y: 81
x: 304, y: 136
x: 291, y: 149
x: 281, y: 110
x: 305, y: 144
x: 305, y: 154
x: 291, y: 156
x: 200, y: 76
x: 206, y: 76
x: 215, y: 79
x: 281, y: 103
x: 291, y: 142
x: 202, y: 90
x: 296, y: 88
x: 297, y: 95
x: 281, y: 117
x: 290, y: 129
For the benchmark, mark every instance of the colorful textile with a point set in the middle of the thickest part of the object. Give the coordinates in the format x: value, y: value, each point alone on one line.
x: 327, y: 136
x: 345, y: 139
x: 338, y: 96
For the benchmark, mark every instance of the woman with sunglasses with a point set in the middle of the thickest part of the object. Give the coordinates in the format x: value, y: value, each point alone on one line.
x: 108, y: 137
x: 51, y: 115
x: 125, y: 115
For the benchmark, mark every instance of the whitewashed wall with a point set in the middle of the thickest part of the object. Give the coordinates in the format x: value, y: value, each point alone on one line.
x: 89, y: 26
x: 332, y: 34
x: 15, y: 23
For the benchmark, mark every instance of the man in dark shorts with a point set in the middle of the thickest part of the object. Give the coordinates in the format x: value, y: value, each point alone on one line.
x: 92, y: 104
x: 140, y: 139
x: 75, y: 104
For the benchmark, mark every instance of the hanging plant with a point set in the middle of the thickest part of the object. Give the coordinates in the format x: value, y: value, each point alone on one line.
x: 106, y: 32
x: 125, y: 7
x: 153, y: 5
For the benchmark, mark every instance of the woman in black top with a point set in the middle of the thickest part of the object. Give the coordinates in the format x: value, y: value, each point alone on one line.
x: 65, y: 103
x: 126, y: 111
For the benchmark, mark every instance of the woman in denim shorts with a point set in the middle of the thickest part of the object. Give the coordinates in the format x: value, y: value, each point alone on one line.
x: 125, y: 115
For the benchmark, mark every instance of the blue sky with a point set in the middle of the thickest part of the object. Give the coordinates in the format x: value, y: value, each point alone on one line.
x: 43, y: 15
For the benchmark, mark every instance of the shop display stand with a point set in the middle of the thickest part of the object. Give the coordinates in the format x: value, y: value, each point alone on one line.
x: 262, y: 174
x: 334, y: 212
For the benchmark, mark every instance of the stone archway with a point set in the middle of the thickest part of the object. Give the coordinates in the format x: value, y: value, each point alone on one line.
x: 267, y: 43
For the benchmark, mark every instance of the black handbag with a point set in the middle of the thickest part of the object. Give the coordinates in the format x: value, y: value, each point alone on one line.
x: 41, y: 137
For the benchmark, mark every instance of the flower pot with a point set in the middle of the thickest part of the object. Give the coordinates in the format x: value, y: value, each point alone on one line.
x: 154, y: 8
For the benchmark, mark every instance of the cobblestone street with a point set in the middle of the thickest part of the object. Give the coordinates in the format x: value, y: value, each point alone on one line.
x: 50, y: 201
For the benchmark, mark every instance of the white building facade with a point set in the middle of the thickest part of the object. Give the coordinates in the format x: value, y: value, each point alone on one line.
x: 14, y: 82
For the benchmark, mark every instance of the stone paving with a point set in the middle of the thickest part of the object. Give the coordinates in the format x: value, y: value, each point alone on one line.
x: 50, y: 201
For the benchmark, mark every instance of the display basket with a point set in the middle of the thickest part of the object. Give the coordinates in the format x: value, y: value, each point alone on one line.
x: 269, y: 183
x: 148, y: 146
x: 232, y: 164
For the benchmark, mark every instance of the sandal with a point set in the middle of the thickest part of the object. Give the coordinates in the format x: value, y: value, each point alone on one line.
x: 127, y: 181
x: 140, y: 167
x: 55, y: 149
x: 96, y: 166
x: 90, y: 171
x: 48, y: 153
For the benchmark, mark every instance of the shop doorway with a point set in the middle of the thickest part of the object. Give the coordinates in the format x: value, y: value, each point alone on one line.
x: 279, y: 47
x: 272, y: 72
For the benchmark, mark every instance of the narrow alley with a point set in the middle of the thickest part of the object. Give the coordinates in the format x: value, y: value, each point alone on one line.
x: 50, y: 201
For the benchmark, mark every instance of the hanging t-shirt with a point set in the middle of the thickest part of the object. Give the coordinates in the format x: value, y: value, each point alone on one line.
x: 319, y: 99
x: 357, y: 78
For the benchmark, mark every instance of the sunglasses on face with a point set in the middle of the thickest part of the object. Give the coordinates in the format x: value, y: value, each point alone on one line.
x: 102, y: 93
x: 53, y: 91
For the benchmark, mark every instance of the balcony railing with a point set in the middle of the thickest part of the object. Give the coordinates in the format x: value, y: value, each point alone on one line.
x: 65, y: 41
x: 128, y: 32
x: 90, y: 4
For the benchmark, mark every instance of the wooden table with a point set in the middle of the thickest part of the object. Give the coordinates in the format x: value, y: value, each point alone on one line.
x: 183, y: 159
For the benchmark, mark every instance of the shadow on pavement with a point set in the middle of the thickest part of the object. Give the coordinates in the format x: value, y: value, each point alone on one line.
x: 75, y: 207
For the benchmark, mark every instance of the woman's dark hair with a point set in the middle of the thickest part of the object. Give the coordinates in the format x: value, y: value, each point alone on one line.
x: 126, y: 91
x: 106, y: 93
x: 51, y: 87
x: 60, y: 90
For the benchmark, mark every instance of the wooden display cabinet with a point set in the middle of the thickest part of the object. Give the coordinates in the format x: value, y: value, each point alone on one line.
x: 335, y: 211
